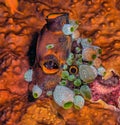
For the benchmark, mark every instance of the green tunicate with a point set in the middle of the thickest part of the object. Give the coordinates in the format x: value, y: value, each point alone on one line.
x: 85, y: 92
x: 69, y: 62
x: 78, y: 56
x: 71, y: 77
x: 77, y: 82
x: 79, y: 102
x: 79, y: 62
x: 50, y: 46
x: 65, y: 66
x: 77, y: 49
x: 71, y: 56
x: 63, y: 82
x: 76, y: 91
x: 35, y: 95
x: 68, y: 105
x: 65, y: 74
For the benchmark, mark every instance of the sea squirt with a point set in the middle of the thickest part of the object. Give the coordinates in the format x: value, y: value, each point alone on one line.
x: 63, y: 96
x: 36, y: 91
x: 79, y: 102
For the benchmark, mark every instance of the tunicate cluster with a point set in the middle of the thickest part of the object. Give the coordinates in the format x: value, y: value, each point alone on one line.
x: 82, y: 67
x: 69, y: 29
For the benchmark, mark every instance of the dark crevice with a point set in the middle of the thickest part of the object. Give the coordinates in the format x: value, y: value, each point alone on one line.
x: 32, y: 49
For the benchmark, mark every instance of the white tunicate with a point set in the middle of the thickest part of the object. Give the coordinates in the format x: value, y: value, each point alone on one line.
x: 79, y: 101
x: 28, y: 75
x: 101, y: 71
x: 36, y: 91
x: 85, y: 43
x: 87, y: 73
x: 63, y: 95
x: 75, y: 35
x: 68, y: 29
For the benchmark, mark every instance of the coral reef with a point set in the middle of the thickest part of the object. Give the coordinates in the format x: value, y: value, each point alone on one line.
x: 19, y: 29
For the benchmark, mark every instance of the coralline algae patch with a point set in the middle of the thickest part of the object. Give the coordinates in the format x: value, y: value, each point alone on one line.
x: 108, y: 93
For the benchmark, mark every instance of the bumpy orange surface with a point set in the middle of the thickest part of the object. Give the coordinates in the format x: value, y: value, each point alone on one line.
x: 98, y: 19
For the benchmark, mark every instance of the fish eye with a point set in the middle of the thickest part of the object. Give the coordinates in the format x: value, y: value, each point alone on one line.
x: 50, y: 65
x: 73, y: 69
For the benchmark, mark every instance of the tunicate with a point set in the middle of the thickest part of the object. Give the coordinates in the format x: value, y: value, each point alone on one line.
x: 63, y: 96
x: 101, y: 71
x: 68, y: 29
x: 87, y: 73
x: 77, y: 49
x: 65, y: 75
x: 71, y: 77
x: 28, y: 75
x: 85, y: 92
x: 88, y: 54
x: 77, y: 82
x: 36, y: 91
x: 85, y: 43
x: 63, y: 82
x: 79, y: 101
